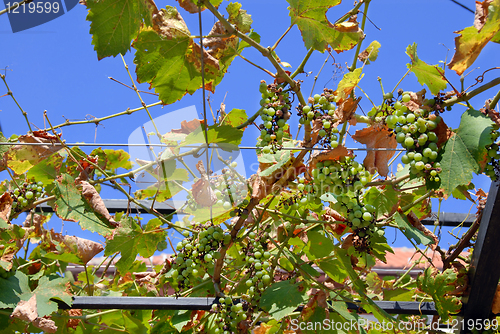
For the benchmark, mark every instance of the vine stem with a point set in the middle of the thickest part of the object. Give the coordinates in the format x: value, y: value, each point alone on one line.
x: 494, y: 102
x: 300, y: 69
x: 358, y: 47
x: 98, y: 120
x: 468, y: 96
x: 418, y: 200
x: 134, y: 87
x: 250, y: 120
x: 282, y: 36
x: 9, y: 92
x: 11, y: 8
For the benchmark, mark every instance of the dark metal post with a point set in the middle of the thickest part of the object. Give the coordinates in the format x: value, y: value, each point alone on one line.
x: 484, y: 271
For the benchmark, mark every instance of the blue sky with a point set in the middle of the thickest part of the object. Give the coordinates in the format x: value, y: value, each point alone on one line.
x: 53, y: 67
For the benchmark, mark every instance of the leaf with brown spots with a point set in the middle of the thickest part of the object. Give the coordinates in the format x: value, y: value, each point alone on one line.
x: 96, y: 202
x: 443, y: 133
x: 85, y: 249
x: 21, y: 158
x: 5, y: 206
x: 377, y: 136
x: 346, y: 109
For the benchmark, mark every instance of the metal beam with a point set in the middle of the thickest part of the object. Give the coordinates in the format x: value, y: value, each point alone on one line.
x: 200, y: 303
x: 166, y: 208
x: 484, y: 271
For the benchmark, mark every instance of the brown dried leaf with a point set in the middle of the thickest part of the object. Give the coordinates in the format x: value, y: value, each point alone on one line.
x: 332, y: 155
x: 5, y: 206
x: 417, y: 101
x: 491, y: 113
x: 481, y: 13
x: 73, y: 323
x: 217, y: 45
x: 203, y: 193
x: 47, y: 325
x: 169, y: 24
x: 85, y: 248
x: 415, y: 222
x: 480, y: 193
x: 189, y: 6
x: 26, y: 310
x: 188, y: 127
x: 495, y: 307
x: 377, y: 136
x: 332, y: 215
x: 346, y: 109
x: 443, y: 133
x: 96, y: 202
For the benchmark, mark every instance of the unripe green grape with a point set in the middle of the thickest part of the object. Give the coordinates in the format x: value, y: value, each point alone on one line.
x: 405, y: 159
x: 400, y: 137
x: 327, y: 125
x: 334, y: 144
x: 419, y: 165
x: 417, y: 157
x: 322, y: 133
x: 306, y: 109
x: 409, y: 142
x: 432, y: 136
x: 29, y: 195
x: 316, y: 98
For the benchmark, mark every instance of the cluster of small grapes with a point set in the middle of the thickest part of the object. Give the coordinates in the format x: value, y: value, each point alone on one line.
x: 275, y: 113
x: 322, y: 109
x: 414, y: 132
x: 197, y: 254
x: 229, y: 188
x: 259, y: 268
x: 360, y: 218
x: 492, y: 168
x: 228, y: 315
x: 337, y: 177
x: 25, y: 195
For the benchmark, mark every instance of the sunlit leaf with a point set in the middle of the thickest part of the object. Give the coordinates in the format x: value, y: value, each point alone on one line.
x: 426, y: 74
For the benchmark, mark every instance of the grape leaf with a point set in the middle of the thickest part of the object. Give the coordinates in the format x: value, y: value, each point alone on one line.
x: 169, y: 60
x: 348, y: 83
x: 410, y: 231
x: 115, y: 23
x: 439, y: 286
x: 225, y: 134
x: 318, y: 244
x: 334, y: 269
x: 51, y: 287
x: 472, y: 40
x: 239, y: 17
x: 465, y: 152
x: 70, y: 206
x: 130, y: 239
x: 235, y: 117
x: 426, y: 74
x: 384, y: 200
x: 281, y: 298
x: 46, y: 170
x: 118, y: 159
x: 14, y: 289
x: 370, y: 54
x: 317, y: 32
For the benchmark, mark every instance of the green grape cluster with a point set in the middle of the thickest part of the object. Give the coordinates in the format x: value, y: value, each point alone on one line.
x: 337, y: 177
x: 227, y: 316
x: 229, y: 187
x: 414, y: 131
x: 359, y: 217
x: 25, y: 195
x: 322, y: 109
x: 275, y: 113
x: 259, y: 269
x: 492, y: 168
x: 197, y: 254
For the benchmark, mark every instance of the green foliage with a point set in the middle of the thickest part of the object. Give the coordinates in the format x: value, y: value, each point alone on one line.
x: 306, y: 230
x: 440, y: 287
x: 465, y: 152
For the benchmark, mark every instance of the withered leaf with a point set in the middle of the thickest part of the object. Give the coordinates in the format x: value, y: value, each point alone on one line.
x: 85, y: 248
x: 203, y: 193
x: 415, y: 222
x: 47, y: 325
x: 377, y: 136
x: 331, y: 155
x: 95, y: 201
x: 188, y: 127
x: 189, y: 6
x: 443, y: 133
x: 346, y: 109
x: 5, y: 206
x: 26, y: 310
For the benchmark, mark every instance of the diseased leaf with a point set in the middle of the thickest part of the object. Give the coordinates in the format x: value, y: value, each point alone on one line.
x: 115, y: 23
x: 370, y: 54
x: 318, y: 245
x: 347, y: 84
x: 239, y: 17
x: 51, y: 287
x: 21, y: 158
x: 465, y: 152
x: 14, y: 289
x: 118, y: 159
x: 439, y: 286
x: 83, y: 249
x: 96, y: 202
x: 281, y: 298
x: 472, y: 40
x: 375, y: 137
x: 317, y: 32
x: 46, y: 170
x: 426, y: 74
x: 70, y: 206
x: 235, y: 117
x: 169, y: 60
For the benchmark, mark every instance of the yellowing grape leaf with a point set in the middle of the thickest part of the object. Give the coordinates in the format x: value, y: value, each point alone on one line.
x: 426, y: 74
x: 472, y: 40
x: 370, y: 54
x: 317, y: 32
x: 169, y: 59
x: 239, y: 17
x: 347, y: 84
x: 114, y: 23
x: 374, y: 137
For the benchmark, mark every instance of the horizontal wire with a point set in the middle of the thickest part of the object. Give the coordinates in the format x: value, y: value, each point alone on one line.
x: 194, y: 146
